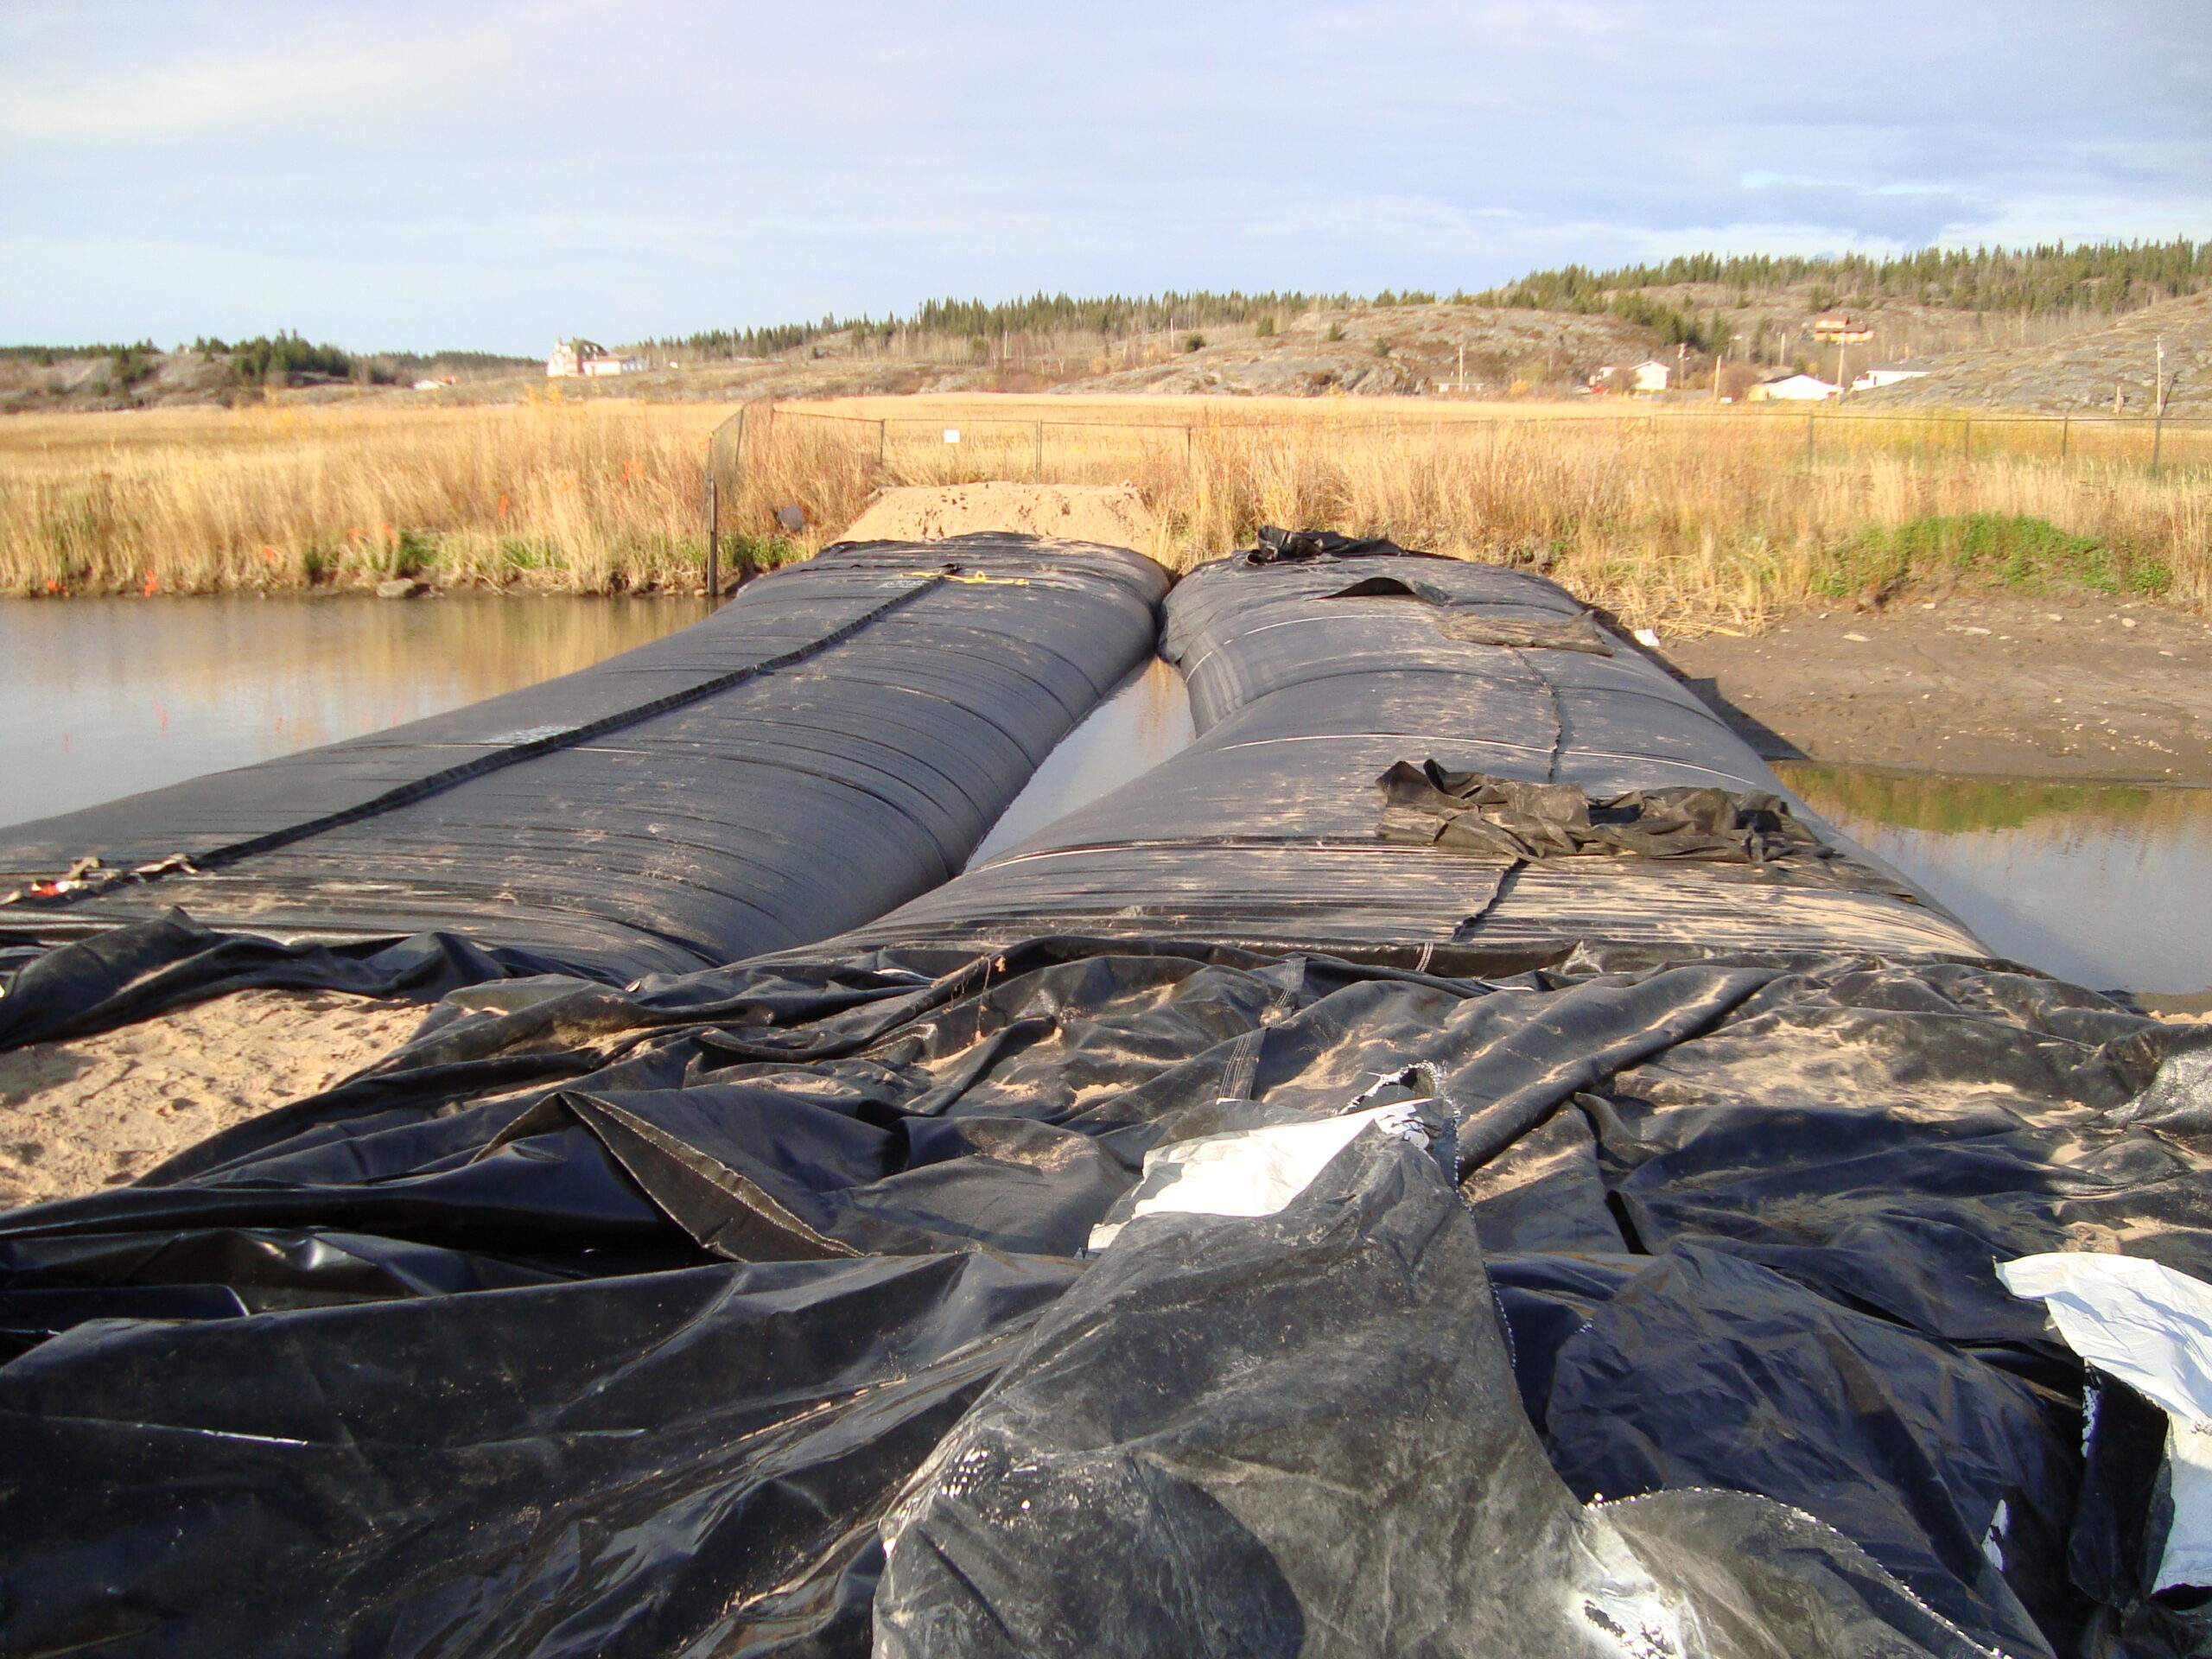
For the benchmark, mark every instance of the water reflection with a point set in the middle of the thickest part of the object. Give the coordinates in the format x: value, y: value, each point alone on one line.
x: 2108, y: 887
x: 105, y: 697
x: 1147, y: 719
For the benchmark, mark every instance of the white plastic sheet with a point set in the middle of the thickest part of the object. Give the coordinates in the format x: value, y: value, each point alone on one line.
x: 1251, y: 1172
x: 2151, y: 1328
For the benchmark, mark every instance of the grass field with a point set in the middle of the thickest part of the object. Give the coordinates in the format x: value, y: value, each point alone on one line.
x: 1676, y: 515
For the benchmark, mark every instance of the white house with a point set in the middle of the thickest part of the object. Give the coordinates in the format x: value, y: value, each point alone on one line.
x: 1650, y: 375
x: 1888, y: 374
x: 575, y: 357
x: 1793, y: 389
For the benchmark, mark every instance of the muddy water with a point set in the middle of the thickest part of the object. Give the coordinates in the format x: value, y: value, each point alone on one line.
x: 105, y: 697
x: 1145, y: 719
x: 2107, y: 886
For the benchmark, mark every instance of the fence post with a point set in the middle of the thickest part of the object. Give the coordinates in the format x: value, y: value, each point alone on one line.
x: 1808, y: 437
x: 1966, y: 439
x: 1038, y: 472
x: 714, y: 544
x: 2065, y: 432
x: 2158, y: 439
x: 880, y: 426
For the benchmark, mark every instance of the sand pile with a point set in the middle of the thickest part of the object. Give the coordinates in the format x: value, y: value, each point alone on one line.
x: 1112, y: 513
x: 78, y: 1115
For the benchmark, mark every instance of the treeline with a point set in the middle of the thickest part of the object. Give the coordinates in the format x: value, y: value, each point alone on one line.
x: 47, y: 356
x: 280, y: 356
x: 1112, y: 316
x: 2052, y: 277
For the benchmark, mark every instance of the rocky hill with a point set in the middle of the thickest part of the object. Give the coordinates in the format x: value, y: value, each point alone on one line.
x: 2090, y: 370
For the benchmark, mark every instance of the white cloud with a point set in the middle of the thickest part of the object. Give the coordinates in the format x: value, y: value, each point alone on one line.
x: 390, y: 174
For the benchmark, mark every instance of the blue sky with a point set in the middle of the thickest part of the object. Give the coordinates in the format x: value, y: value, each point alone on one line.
x: 392, y: 174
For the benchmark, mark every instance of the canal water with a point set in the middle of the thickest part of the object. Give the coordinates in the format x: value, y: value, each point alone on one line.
x: 2108, y: 887
x: 105, y: 697
x: 1145, y: 719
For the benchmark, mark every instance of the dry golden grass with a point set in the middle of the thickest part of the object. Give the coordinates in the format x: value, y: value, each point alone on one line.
x: 1675, y: 515
x: 586, y: 498
x: 1681, y: 515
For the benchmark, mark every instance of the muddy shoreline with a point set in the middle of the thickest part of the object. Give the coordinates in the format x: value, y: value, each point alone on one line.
x: 2080, y: 687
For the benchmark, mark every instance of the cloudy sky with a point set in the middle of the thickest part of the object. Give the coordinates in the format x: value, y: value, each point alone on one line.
x: 489, y: 173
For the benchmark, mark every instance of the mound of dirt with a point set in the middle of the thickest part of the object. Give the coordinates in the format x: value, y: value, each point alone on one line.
x: 1110, y: 513
x: 78, y: 1115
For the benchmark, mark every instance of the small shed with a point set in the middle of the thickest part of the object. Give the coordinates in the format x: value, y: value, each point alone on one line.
x: 1793, y: 389
x: 1888, y: 374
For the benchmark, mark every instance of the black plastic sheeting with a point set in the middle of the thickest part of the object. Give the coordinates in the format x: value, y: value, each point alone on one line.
x: 1315, y: 665
x: 830, y: 743
x: 615, y: 1322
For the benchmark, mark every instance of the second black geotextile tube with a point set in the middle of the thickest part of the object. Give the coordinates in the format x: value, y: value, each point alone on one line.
x: 833, y: 741
x: 1314, y: 665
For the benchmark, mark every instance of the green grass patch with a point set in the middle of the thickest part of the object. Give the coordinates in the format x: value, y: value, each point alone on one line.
x: 2009, y: 550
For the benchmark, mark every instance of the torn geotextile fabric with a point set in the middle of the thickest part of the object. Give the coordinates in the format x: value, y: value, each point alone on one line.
x: 1518, y: 818
x: 611, y: 1321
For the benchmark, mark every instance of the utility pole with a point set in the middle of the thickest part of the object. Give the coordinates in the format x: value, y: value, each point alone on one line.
x: 2158, y: 408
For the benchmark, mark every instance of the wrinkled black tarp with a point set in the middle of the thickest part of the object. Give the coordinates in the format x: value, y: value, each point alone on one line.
x: 1425, y: 805
x: 1298, y: 1436
x: 607, y: 1321
x: 835, y: 739
x: 129, y: 973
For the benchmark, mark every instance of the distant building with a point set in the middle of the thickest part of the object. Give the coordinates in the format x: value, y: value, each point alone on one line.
x: 1839, y: 325
x: 575, y: 357
x: 1888, y: 374
x: 1650, y: 375
x: 437, y: 382
x: 1792, y: 389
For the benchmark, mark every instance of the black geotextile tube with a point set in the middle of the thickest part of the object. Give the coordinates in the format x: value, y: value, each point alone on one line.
x: 833, y: 741
x: 608, y: 1322
x: 1316, y: 667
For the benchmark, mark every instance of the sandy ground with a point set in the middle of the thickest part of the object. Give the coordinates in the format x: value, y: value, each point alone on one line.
x: 76, y: 1116
x: 1110, y: 513
x: 1996, y: 684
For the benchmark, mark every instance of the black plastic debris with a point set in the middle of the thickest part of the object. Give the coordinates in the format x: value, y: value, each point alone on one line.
x: 1425, y: 805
